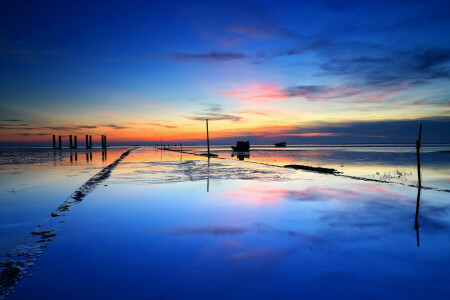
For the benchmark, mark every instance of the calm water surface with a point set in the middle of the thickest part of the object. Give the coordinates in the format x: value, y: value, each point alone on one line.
x: 167, y: 225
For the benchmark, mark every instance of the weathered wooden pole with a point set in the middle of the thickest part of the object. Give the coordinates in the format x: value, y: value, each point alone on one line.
x: 105, y: 141
x: 54, y: 142
x: 207, y: 135
x: 60, y: 145
x: 90, y: 141
x: 87, y: 142
x: 103, y: 145
x: 418, y: 144
x: 70, y: 141
x: 75, y: 146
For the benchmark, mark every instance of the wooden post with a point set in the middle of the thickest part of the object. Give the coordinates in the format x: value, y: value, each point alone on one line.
x: 418, y: 144
x: 90, y: 141
x: 87, y: 142
x: 181, y: 147
x: 70, y: 142
x: 207, y: 135
x: 105, y: 141
x: 75, y: 146
x: 60, y: 146
x: 54, y: 142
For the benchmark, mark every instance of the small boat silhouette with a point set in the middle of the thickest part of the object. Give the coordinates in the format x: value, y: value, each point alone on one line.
x: 280, y: 144
x: 241, y: 146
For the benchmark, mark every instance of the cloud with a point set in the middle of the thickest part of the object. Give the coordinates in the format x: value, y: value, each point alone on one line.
x: 309, y: 134
x: 313, y: 92
x: 207, y: 57
x: 214, y: 117
x: 393, y: 69
x: 32, y: 134
x: 252, y: 112
x: 12, y: 120
x: 162, y: 125
x: 87, y: 127
x: 114, y: 126
x: 308, y: 92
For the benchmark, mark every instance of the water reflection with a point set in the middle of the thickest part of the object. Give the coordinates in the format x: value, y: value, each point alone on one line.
x: 241, y: 155
x: 257, y: 228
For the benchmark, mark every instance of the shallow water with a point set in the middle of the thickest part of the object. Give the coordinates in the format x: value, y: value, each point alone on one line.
x: 394, y: 163
x: 33, y: 188
x: 168, y: 225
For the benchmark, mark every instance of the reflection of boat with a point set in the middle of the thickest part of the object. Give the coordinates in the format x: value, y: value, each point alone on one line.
x: 241, y: 155
x: 241, y: 146
x: 280, y: 144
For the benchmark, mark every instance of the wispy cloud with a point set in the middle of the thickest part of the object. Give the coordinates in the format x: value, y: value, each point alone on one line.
x: 162, y: 125
x: 113, y: 126
x: 308, y: 92
x: 214, y: 117
x: 252, y: 112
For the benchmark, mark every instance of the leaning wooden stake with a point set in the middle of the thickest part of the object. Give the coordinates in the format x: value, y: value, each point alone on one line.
x: 207, y: 135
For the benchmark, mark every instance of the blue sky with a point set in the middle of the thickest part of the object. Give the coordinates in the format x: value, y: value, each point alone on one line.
x: 318, y: 71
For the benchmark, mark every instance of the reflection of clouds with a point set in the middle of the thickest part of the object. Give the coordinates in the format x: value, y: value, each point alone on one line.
x: 257, y: 253
x: 213, y: 230
x: 259, y: 194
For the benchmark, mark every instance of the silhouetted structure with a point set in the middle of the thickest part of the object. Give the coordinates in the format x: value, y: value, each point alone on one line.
x: 54, y: 142
x: 60, y: 145
x: 72, y: 145
x: 280, y: 144
x: 241, y: 146
x: 103, y: 141
x: 88, y: 141
x: 207, y: 136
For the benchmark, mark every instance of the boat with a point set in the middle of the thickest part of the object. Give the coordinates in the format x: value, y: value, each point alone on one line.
x: 241, y: 146
x: 280, y: 144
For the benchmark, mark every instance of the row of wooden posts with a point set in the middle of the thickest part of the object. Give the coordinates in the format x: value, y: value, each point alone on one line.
x: 74, y: 140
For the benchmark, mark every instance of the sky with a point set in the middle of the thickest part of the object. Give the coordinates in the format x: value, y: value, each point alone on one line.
x: 265, y: 71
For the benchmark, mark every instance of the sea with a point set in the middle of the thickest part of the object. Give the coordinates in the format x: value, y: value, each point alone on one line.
x: 147, y: 222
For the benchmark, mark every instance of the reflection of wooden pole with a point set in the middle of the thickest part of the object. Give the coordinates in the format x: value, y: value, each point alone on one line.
x: 207, y: 135
x: 419, y: 187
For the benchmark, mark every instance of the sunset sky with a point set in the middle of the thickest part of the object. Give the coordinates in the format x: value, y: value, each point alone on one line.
x: 311, y: 72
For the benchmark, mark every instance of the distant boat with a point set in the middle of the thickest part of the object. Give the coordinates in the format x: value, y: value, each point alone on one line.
x: 241, y: 146
x: 280, y: 144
